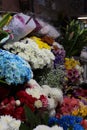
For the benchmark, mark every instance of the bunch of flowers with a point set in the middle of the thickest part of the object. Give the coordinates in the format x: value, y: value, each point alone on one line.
x: 84, y: 123
x: 35, y: 97
x: 40, y: 43
x: 13, y: 69
x: 73, y: 106
x: 12, y: 107
x: 81, y: 93
x: 68, y: 122
x: 54, y: 78
x: 71, y: 63
x: 74, y: 70
x: 29, y: 50
x: 59, y: 57
x: 51, y: 97
x: 81, y: 110
x: 31, y: 101
x: 68, y: 105
x: 15, y: 108
x: 9, y: 123
x: 59, y: 53
x: 44, y: 127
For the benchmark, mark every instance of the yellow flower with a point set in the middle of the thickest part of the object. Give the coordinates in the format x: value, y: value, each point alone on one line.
x: 71, y: 63
x: 83, y: 111
x: 40, y: 43
x: 75, y: 112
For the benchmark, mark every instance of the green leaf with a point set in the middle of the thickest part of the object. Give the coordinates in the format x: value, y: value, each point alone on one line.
x: 34, y: 118
x: 4, y: 20
x: 45, y: 118
x: 74, y: 38
x: 24, y: 127
x: 3, y: 34
x: 30, y: 116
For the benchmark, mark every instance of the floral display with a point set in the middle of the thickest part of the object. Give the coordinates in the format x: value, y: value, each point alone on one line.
x: 81, y: 110
x: 43, y: 127
x: 71, y: 63
x: 84, y: 123
x: 59, y: 56
x: 35, y: 97
x: 13, y: 69
x: 9, y: 123
x: 73, y: 37
x: 74, y: 70
x: 69, y: 104
x: 40, y: 87
x: 67, y: 122
x: 29, y: 50
x: 40, y: 43
x: 50, y: 97
x: 54, y: 77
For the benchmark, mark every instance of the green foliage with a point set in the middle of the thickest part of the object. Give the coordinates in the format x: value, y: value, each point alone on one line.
x: 4, y: 20
x: 74, y: 38
x: 24, y: 127
x: 33, y: 119
x: 3, y: 34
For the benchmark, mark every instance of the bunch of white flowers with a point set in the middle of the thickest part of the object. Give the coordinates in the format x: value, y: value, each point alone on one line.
x: 9, y: 123
x: 29, y: 50
x: 44, y: 127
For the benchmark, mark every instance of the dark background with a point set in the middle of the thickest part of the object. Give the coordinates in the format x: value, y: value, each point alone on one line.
x: 49, y: 9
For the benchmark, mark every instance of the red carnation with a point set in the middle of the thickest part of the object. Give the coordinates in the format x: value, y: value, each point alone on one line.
x: 7, y: 106
x: 19, y: 113
x: 26, y: 99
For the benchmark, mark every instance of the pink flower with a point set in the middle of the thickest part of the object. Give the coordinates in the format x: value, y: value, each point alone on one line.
x: 73, y: 75
x: 68, y: 105
x: 84, y: 123
x: 44, y: 100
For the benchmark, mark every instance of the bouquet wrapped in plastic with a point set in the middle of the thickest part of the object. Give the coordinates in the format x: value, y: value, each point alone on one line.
x: 20, y: 26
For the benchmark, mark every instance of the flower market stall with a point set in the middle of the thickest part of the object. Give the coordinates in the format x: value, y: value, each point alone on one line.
x: 42, y: 84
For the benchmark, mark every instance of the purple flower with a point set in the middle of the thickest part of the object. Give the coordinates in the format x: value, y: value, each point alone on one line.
x: 73, y: 75
x: 59, y: 57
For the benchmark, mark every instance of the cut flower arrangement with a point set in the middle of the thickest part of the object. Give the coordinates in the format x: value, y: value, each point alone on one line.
x: 74, y: 70
x: 39, y: 104
x: 29, y: 50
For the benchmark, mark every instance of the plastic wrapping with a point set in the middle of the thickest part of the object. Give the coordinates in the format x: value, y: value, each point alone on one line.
x: 20, y: 26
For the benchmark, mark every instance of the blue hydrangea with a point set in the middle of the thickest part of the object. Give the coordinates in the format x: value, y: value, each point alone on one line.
x: 14, y: 69
x: 67, y: 122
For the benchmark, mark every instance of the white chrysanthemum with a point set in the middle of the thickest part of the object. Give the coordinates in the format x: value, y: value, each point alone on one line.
x: 9, y: 123
x: 32, y: 83
x: 35, y: 92
x: 44, y: 127
x: 29, y: 50
x: 38, y: 104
